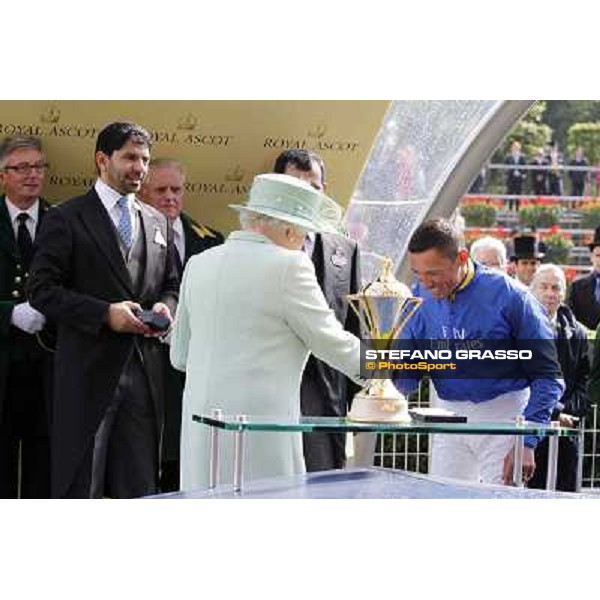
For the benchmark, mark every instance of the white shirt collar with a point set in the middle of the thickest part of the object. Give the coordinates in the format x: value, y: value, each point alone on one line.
x: 110, y: 196
x: 14, y: 211
x: 178, y: 226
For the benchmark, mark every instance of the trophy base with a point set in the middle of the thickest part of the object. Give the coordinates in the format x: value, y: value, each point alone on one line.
x: 379, y: 402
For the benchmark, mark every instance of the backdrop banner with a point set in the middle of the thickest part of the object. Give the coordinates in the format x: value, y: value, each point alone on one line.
x: 222, y: 144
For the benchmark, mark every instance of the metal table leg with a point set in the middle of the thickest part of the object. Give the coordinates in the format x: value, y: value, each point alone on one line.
x: 518, y: 458
x: 238, y: 459
x: 580, y: 449
x: 552, y: 458
x: 213, y: 456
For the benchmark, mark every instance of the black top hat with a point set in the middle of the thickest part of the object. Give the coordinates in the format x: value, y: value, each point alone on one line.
x: 527, y: 246
x: 596, y: 241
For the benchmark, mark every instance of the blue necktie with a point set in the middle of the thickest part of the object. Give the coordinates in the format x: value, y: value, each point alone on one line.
x: 597, y: 290
x: 124, y: 227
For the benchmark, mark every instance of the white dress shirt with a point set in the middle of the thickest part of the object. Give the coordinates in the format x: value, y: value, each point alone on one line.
x: 109, y: 198
x: 31, y: 223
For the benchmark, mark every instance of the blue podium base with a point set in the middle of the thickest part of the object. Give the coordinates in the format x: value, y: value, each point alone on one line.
x: 369, y: 483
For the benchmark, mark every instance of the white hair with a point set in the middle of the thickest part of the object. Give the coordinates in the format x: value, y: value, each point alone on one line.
x: 555, y: 270
x: 489, y: 242
x: 250, y: 221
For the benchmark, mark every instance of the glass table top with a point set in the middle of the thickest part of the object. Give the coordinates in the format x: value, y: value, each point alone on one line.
x: 333, y: 424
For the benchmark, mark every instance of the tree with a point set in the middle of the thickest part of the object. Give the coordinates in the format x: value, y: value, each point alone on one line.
x: 586, y: 135
x: 561, y: 114
x: 531, y: 131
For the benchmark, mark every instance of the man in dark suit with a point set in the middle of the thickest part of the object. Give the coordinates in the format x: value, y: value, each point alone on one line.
x: 515, y: 175
x: 539, y: 176
x: 103, y: 257
x: 549, y: 287
x: 164, y: 189
x: 325, y: 391
x: 25, y: 367
x: 584, y: 298
x: 578, y: 178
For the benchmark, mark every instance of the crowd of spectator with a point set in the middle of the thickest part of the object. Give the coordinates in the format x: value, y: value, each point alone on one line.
x: 542, y: 174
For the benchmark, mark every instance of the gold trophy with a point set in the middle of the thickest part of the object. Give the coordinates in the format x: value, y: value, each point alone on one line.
x: 383, y: 307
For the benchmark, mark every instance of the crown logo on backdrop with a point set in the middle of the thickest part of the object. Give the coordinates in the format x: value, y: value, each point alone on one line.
x: 236, y: 174
x: 188, y: 122
x: 50, y: 115
x: 318, y: 132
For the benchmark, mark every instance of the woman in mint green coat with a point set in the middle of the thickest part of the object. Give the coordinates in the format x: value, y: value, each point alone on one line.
x: 249, y: 314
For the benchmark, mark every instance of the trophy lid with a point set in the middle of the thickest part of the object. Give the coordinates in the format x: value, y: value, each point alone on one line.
x: 384, y: 305
x: 386, y: 284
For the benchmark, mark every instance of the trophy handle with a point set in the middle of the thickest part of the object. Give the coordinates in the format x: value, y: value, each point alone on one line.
x: 416, y: 302
x: 362, y: 319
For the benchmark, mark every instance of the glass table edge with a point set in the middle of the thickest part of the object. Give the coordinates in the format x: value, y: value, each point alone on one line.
x: 341, y: 424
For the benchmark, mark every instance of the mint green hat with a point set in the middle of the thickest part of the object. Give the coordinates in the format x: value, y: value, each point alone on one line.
x: 294, y: 201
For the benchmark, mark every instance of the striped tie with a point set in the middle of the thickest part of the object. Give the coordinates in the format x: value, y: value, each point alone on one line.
x: 124, y: 227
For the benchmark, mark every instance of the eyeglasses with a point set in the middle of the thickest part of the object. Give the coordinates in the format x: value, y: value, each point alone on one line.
x: 25, y: 168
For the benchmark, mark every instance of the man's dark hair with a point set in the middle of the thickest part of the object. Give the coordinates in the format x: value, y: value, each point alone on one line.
x: 116, y: 135
x: 301, y: 159
x: 438, y: 234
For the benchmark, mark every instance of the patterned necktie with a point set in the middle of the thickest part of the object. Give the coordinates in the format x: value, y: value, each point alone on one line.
x: 124, y: 227
x: 597, y: 289
x: 24, y: 241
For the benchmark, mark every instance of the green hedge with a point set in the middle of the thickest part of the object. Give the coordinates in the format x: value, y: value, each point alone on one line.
x: 539, y: 216
x: 557, y: 249
x: 586, y: 135
x: 590, y: 217
x: 479, y: 215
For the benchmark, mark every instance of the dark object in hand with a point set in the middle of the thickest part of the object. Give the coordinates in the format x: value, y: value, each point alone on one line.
x: 154, y: 320
x: 436, y: 415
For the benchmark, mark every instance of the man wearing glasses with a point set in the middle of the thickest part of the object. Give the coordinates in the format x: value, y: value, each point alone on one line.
x: 24, y: 364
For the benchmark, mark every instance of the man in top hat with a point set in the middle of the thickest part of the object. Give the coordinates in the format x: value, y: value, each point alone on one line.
x: 584, y: 299
x: 527, y: 257
x: 250, y: 312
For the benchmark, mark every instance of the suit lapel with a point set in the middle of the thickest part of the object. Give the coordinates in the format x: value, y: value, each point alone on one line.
x: 7, y: 234
x: 100, y: 228
x: 43, y: 209
x: 320, y: 249
x: 194, y: 244
x: 589, y: 290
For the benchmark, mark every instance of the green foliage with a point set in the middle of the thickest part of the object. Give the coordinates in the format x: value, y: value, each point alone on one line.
x: 539, y: 216
x: 557, y: 249
x: 479, y: 214
x: 590, y: 216
x: 531, y: 135
x: 536, y: 113
x: 561, y: 114
x: 586, y: 135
